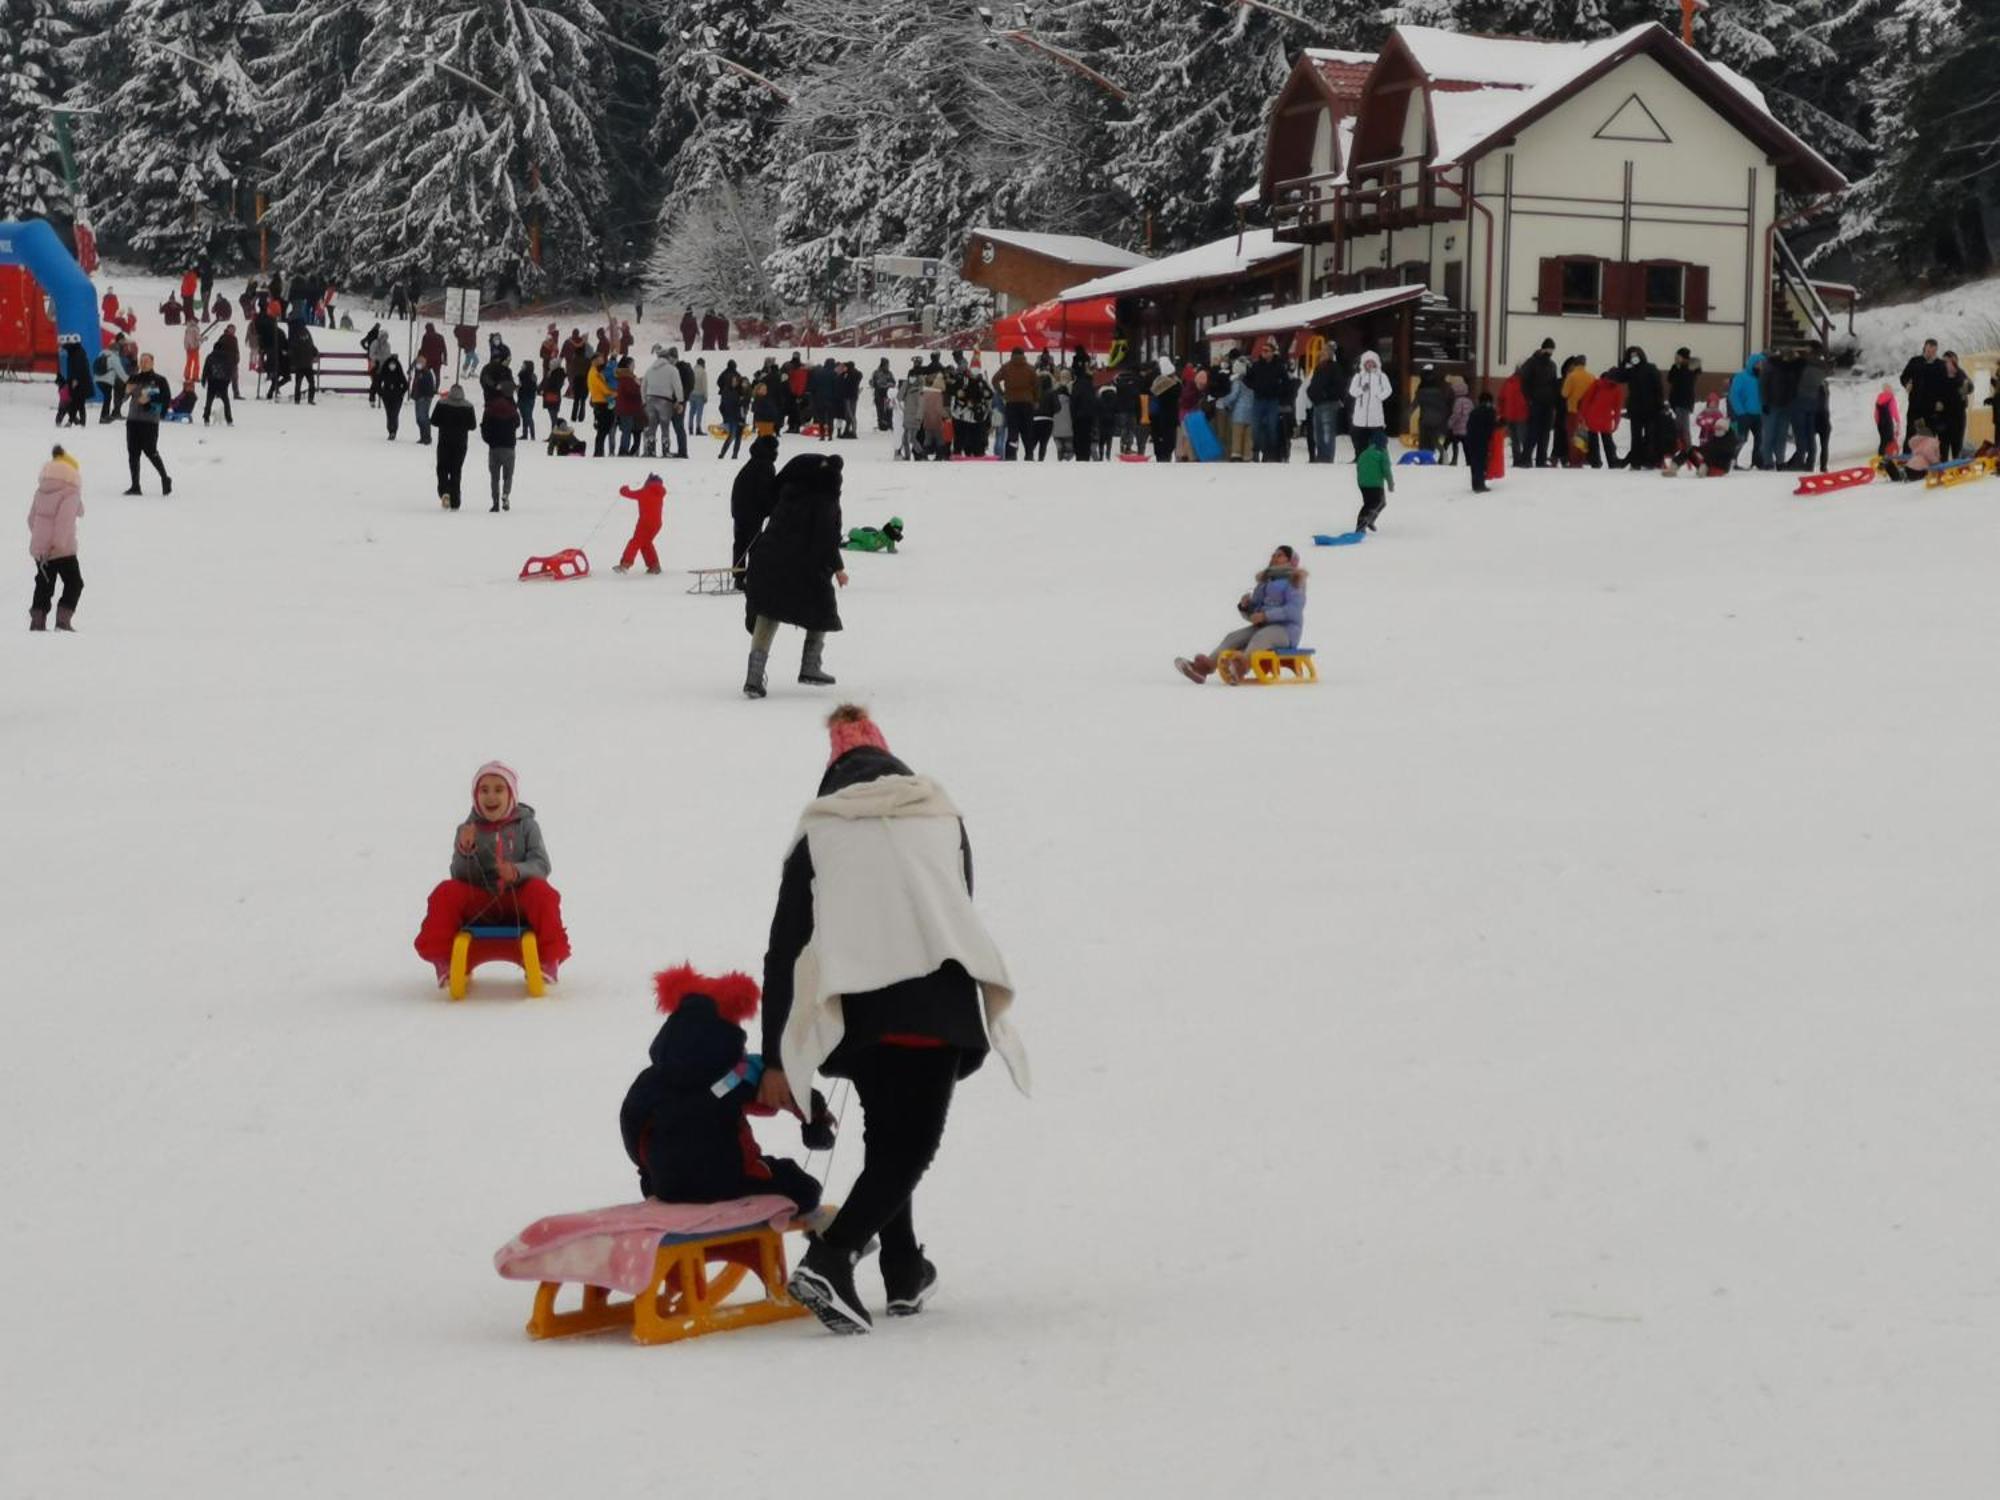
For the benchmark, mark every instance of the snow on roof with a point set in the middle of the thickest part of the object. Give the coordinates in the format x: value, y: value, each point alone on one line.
x: 1076, y: 249
x: 1335, y: 55
x: 1216, y: 260
x: 1317, y: 313
x: 1502, y: 61
x: 1468, y: 118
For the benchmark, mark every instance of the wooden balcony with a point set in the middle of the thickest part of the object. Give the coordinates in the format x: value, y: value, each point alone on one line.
x: 1330, y: 206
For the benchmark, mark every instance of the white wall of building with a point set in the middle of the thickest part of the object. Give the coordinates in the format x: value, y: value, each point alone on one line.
x: 1704, y: 195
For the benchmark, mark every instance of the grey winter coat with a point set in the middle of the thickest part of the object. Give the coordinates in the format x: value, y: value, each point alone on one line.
x: 662, y: 382
x: 517, y: 837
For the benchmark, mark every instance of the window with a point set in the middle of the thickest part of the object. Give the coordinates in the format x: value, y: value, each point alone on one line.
x: 1666, y: 293
x: 1575, y: 285
x: 1582, y: 287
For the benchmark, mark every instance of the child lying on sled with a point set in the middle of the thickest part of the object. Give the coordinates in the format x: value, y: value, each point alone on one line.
x: 883, y: 538
x: 685, y: 1117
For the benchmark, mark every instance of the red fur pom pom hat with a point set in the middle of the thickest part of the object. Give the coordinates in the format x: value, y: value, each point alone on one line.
x: 735, y: 994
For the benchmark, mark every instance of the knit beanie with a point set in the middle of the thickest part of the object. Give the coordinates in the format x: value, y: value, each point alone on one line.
x: 849, y: 728
x: 506, y: 774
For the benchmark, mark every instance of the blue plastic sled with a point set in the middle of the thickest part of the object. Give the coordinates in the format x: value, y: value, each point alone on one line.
x: 1201, y: 437
x: 1345, y: 539
x: 1418, y: 456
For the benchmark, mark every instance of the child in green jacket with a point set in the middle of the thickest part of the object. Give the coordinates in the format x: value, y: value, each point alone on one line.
x: 1374, y: 473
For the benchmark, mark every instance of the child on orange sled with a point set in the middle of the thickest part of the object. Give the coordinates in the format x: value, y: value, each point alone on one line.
x: 651, y: 496
x: 499, y: 875
x: 684, y: 1118
x: 1276, y: 611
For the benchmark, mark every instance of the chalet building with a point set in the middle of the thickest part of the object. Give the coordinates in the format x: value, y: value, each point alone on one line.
x: 1603, y: 194
x: 1167, y: 306
x: 1022, y: 269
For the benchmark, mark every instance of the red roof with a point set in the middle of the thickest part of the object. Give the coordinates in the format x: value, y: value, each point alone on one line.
x: 1342, y: 79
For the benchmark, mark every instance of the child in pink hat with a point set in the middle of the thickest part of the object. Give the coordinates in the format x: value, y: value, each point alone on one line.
x: 499, y: 875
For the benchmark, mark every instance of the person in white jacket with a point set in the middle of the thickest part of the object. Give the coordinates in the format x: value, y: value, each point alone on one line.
x: 880, y: 971
x: 1368, y: 394
x: 662, y: 389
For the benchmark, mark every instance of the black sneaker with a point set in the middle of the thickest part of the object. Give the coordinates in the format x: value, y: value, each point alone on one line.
x: 824, y: 1282
x: 909, y: 1284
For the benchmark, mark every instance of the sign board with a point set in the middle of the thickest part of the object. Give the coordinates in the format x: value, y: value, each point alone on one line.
x: 916, y: 267
x: 461, y: 306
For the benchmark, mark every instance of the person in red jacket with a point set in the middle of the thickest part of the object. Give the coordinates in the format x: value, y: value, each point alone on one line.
x: 1602, y: 409
x: 651, y: 496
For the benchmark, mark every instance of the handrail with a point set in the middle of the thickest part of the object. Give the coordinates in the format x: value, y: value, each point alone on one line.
x: 1793, y: 275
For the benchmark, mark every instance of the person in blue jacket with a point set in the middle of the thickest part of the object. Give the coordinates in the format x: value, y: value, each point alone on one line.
x: 1746, y: 408
x: 1276, y: 611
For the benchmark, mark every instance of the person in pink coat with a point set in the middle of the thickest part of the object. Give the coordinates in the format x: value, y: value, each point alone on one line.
x: 52, y: 540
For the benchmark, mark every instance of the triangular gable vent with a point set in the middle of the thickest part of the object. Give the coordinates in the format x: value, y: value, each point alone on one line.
x: 1632, y: 121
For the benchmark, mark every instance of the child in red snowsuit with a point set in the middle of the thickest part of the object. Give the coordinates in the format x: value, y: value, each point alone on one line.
x: 499, y: 875
x: 651, y: 496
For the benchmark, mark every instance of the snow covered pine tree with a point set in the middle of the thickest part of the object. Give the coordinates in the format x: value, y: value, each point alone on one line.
x: 32, y: 34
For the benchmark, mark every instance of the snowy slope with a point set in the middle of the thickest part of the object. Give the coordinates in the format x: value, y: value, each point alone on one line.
x: 1551, y: 1058
x: 1965, y: 318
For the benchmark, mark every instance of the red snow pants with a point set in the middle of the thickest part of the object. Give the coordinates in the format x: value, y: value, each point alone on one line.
x: 641, y: 545
x: 533, y: 904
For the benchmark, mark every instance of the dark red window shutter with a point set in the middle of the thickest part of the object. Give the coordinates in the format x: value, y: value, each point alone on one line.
x: 1695, y: 289
x: 1620, y: 278
x: 1549, y: 297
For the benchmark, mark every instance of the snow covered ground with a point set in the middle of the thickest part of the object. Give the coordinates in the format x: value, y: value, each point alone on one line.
x: 1551, y: 1058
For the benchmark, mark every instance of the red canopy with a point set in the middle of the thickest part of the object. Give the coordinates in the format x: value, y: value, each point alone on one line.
x: 1091, y: 325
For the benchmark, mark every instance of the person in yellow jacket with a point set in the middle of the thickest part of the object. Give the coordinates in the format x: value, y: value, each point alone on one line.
x: 1577, y: 382
x: 602, y: 393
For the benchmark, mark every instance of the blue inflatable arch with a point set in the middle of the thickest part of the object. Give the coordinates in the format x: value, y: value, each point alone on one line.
x: 36, y: 247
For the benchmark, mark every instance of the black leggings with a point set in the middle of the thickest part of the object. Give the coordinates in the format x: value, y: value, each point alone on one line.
x: 905, y: 1093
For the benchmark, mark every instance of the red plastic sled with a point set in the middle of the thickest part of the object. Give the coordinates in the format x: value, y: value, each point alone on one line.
x: 1134, y: 458
x: 568, y: 563
x: 1839, y: 479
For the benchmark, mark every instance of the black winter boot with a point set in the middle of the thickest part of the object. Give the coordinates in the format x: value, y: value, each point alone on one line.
x: 824, y: 1282
x: 38, y: 619
x: 63, y: 618
x: 810, y: 670
x: 753, y: 681
x: 909, y: 1283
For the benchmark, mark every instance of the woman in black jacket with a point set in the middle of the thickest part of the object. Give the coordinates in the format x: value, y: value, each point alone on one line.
x: 793, y: 567
x: 392, y: 385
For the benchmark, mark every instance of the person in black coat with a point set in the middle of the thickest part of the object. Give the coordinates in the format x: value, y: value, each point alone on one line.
x: 751, y: 498
x: 684, y: 1119
x: 794, y: 566
x: 526, y: 393
x: 392, y: 385
x: 1083, y: 411
x: 452, y: 421
x: 823, y: 391
x: 1541, y: 385
x: 1479, y: 428
x: 1645, y: 407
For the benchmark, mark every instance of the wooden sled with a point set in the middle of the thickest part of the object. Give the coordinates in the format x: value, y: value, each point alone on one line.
x: 1839, y: 479
x: 1267, y: 668
x: 714, y: 580
x: 693, y: 1276
x: 494, y: 945
x: 1946, y: 475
